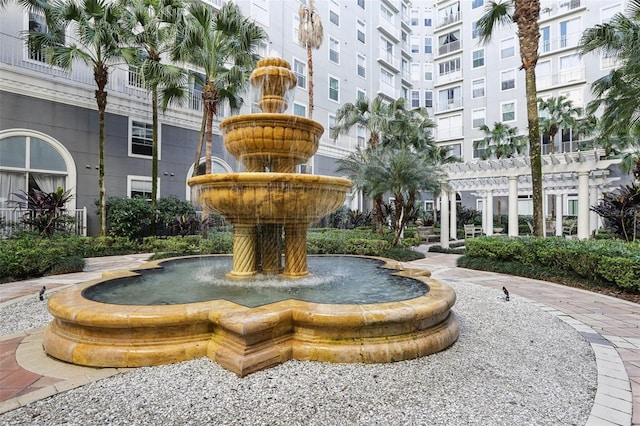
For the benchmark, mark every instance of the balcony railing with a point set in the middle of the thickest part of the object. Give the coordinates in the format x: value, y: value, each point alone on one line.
x: 389, y: 59
x: 449, y: 47
x: 449, y: 17
x: 450, y: 104
x: 11, y: 219
x: 570, y: 75
x: 388, y: 90
x: 563, y: 42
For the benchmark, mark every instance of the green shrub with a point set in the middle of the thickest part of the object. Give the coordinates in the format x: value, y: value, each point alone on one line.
x: 366, y: 247
x: 67, y: 264
x: 624, y: 272
x: 128, y: 217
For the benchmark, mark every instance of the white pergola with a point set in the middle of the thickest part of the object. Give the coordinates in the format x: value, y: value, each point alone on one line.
x: 582, y: 172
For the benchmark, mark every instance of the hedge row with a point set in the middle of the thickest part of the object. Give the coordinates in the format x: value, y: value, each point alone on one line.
x: 611, y: 262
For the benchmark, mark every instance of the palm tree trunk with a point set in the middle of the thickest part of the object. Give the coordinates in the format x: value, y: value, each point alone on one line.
x: 101, y: 75
x: 196, y: 162
x: 310, y: 66
x: 209, y: 140
x: 154, y: 157
x: 378, y: 206
x: 534, y: 151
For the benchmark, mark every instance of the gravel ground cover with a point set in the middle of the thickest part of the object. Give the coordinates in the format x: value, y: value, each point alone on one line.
x: 513, y: 364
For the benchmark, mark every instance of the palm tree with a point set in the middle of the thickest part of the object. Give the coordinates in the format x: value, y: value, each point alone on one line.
x: 223, y: 43
x: 556, y: 114
x: 374, y: 116
x: 310, y: 35
x: 95, y: 40
x: 502, y: 141
x: 152, y: 24
x: 618, y: 93
x: 525, y: 14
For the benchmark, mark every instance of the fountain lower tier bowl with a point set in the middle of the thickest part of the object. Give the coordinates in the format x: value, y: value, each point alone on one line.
x: 270, y: 197
x: 243, y: 339
x: 276, y: 141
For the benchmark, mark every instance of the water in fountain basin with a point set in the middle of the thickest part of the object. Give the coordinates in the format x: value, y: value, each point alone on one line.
x: 333, y: 279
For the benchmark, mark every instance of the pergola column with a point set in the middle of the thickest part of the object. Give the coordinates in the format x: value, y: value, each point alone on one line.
x: 513, y: 206
x: 444, y: 219
x: 583, y: 205
x: 593, y: 216
x: 489, y: 208
x: 559, y: 215
x: 453, y: 234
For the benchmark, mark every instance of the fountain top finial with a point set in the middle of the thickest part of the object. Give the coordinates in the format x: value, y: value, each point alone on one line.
x: 274, y: 78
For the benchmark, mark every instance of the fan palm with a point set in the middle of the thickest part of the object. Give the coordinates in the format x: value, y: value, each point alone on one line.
x: 501, y: 141
x: 223, y: 43
x: 152, y: 24
x: 310, y: 35
x: 556, y: 114
x: 525, y: 14
x: 94, y: 38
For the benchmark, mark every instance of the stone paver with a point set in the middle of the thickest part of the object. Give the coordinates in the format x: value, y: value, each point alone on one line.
x: 611, y: 326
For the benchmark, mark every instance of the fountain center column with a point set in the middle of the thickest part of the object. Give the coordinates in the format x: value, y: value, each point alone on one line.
x: 244, y: 251
x: 295, y: 238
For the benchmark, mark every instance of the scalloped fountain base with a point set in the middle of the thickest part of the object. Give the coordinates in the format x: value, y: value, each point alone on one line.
x: 245, y: 340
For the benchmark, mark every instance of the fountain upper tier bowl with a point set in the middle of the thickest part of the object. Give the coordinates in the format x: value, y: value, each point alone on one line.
x: 270, y: 197
x: 271, y: 142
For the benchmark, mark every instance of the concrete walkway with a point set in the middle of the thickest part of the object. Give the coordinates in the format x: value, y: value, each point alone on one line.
x: 611, y: 325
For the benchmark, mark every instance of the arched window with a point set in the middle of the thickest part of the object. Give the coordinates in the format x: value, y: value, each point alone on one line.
x: 218, y: 165
x: 30, y: 159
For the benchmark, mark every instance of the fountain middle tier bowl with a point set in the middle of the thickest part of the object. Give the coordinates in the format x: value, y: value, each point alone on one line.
x: 270, y: 197
x: 277, y: 141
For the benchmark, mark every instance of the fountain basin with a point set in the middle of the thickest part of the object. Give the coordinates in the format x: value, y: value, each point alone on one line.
x: 270, y: 197
x: 276, y: 142
x: 245, y: 340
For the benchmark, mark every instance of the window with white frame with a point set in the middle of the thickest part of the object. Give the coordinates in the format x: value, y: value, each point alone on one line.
x: 428, y: 99
x: 449, y: 67
x: 334, y: 50
x: 361, y: 135
x: 334, y: 13
x: 570, y: 32
x: 37, y: 23
x: 360, y: 30
x: 545, y: 39
x: 140, y: 187
x: 141, y: 139
x: 135, y: 78
x: 477, y: 88
x: 508, y: 80
x: 415, y: 44
x: 475, y: 31
x: 334, y: 89
x: 386, y: 14
x: 415, y: 99
x: 572, y: 205
x: 428, y: 45
x: 478, y: 58
x: 331, y: 121
x: 415, y: 17
x: 415, y: 71
x: 299, y: 109
x: 387, y: 77
x: 571, y: 68
x: 476, y: 4
x: 296, y: 28
x: 428, y: 18
x: 450, y: 127
x: 449, y: 42
x: 362, y: 66
x: 449, y: 98
x: 507, y: 48
x: 300, y: 70
x: 478, y: 118
x: 543, y: 74
x: 361, y: 3
x: 478, y: 152
x: 361, y: 94
x: 508, y: 111
x: 428, y: 71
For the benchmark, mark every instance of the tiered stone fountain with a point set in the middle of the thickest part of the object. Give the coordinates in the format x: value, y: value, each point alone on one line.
x: 261, y: 203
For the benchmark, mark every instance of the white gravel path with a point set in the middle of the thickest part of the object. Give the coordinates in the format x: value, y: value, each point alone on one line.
x: 512, y: 365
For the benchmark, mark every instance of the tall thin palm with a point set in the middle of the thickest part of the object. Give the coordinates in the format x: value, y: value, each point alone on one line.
x: 556, y: 114
x: 525, y: 14
x: 310, y: 35
x: 223, y: 43
x: 152, y: 24
x: 501, y: 141
x: 95, y: 39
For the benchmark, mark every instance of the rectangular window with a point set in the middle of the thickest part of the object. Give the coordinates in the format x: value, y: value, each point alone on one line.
x: 476, y: 4
x: 508, y: 111
x: 414, y: 17
x: 415, y: 44
x: 361, y: 3
x: 361, y: 94
x: 478, y: 118
x: 300, y: 69
x: 386, y: 14
x: 334, y: 13
x: 475, y: 31
x: 415, y: 99
x: 361, y: 135
x: 449, y: 67
x: 362, y: 66
x: 141, y: 140
x: 571, y: 68
x: 449, y: 14
x: 428, y: 71
x: 477, y: 90
x: 428, y: 99
x: 140, y: 187
x: 386, y: 77
x: 449, y: 98
x: 543, y: 74
x: 478, y: 58
x: 428, y: 45
x: 545, y: 39
x: 37, y: 23
x: 508, y: 80
x: 507, y: 48
x: 449, y: 42
x: 334, y: 50
x: 332, y: 123
x: 450, y: 127
x: 478, y: 152
x: 415, y: 71
x: 296, y: 28
x: 572, y: 207
x: 334, y: 89
x: 570, y: 32
x: 361, y: 30
x: 299, y: 110
x: 427, y: 18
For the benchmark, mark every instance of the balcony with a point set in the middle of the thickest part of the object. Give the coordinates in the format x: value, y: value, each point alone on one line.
x: 449, y: 47
x: 388, y: 90
x: 567, y: 41
x: 388, y: 28
x: 443, y: 133
x: 449, y: 17
x: 449, y: 76
x: 387, y: 58
x: 571, y: 75
x: 449, y: 104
